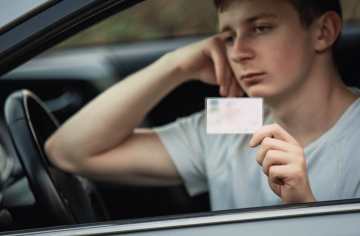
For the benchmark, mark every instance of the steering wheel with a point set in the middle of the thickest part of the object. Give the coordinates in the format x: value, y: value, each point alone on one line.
x: 63, y: 197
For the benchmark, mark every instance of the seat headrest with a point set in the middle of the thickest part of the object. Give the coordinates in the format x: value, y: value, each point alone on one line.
x: 348, y: 54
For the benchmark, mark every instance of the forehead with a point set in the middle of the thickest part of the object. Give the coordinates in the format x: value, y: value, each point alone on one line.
x: 247, y: 11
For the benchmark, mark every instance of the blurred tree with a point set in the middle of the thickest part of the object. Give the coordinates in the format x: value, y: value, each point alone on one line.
x: 149, y: 20
x: 154, y: 19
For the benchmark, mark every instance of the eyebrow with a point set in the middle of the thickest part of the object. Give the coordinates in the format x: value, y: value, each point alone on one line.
x: 252, y: 19
x: 261, y: 16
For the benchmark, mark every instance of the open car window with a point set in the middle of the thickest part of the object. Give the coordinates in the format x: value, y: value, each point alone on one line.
x: 74, y: 72
x: 158, y: 19
x: 150, y: 20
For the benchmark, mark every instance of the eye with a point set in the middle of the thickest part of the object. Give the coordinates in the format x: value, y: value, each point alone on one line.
x: 229, y: 39
x: 261, y: 29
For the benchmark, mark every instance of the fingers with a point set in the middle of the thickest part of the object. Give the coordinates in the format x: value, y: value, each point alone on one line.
x: 219, y: 65
x: 272, y: 131
x: 228, y: 79
x: 273, y: 158
x: 292, y: 166
x: 274, y: 144
x: 283, y: 161
x: 291, y: 183
x: 277, y: 152
x: 287, y: 172
x: 232, y: 89
x: 224, y: 75
x: 225, y: 78
x: 222, y: 69
x: 235, y: 89
x: 239, y: 91
x: 277, y: 174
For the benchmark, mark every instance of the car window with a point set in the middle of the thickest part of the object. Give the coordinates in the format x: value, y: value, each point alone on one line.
x: 77, y: 70
x: 15, y: 10
x: 149, y: 20
x: 160, y: 22
x: 156, y: 19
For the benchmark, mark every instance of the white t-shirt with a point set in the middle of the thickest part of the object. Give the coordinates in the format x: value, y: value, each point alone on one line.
x: 226, y: 166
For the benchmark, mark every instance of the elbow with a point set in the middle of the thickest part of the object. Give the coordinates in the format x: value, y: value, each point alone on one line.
x: 57, y: 155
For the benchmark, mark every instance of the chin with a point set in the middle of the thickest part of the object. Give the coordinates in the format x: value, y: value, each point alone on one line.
x: 258, y: 91
x: 270, y: 95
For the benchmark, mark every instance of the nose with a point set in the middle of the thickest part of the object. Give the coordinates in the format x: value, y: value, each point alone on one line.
x: 242, y: 50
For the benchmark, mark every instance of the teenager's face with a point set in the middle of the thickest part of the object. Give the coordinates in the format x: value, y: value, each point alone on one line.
x: 268, y: 49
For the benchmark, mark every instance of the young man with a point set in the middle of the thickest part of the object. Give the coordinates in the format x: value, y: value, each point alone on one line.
x: 280, y: 50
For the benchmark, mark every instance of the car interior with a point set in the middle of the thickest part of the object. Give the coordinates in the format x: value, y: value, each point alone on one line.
x: 64, y: 80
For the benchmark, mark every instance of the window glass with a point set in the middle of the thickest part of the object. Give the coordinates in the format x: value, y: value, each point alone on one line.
x: 156, y: 21
x: 14, y: 10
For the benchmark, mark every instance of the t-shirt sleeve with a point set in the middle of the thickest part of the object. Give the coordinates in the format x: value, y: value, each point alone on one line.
x: 183, y: 141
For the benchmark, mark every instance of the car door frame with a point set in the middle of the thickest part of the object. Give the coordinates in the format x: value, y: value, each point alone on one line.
x: 51, y: 26
x: 321, y: 218
x: 73, y: 18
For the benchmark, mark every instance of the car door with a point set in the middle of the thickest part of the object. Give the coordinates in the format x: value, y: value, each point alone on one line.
x: 52, y: 23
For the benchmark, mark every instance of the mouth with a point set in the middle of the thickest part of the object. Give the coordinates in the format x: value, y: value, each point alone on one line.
x: 252, y: 78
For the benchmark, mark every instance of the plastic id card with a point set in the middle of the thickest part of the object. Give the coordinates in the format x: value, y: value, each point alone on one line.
x: 233, y: 115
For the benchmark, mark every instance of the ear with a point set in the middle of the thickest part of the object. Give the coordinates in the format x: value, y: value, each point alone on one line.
x: 328, y: 28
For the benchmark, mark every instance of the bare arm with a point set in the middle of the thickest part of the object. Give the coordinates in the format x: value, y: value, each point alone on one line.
x: 101, y: 142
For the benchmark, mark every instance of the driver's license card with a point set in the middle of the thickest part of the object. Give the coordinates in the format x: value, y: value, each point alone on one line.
x: 233, y: 115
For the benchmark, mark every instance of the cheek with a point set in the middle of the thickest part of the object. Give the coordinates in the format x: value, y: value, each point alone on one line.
x: 287, y: 57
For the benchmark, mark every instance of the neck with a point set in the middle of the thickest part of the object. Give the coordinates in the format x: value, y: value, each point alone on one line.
x: 314, y: 108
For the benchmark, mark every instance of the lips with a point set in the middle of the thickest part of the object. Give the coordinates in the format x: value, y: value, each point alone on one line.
x: 252, y: 78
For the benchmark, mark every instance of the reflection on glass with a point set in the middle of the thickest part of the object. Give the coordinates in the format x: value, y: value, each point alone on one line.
x: 13, y: 10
